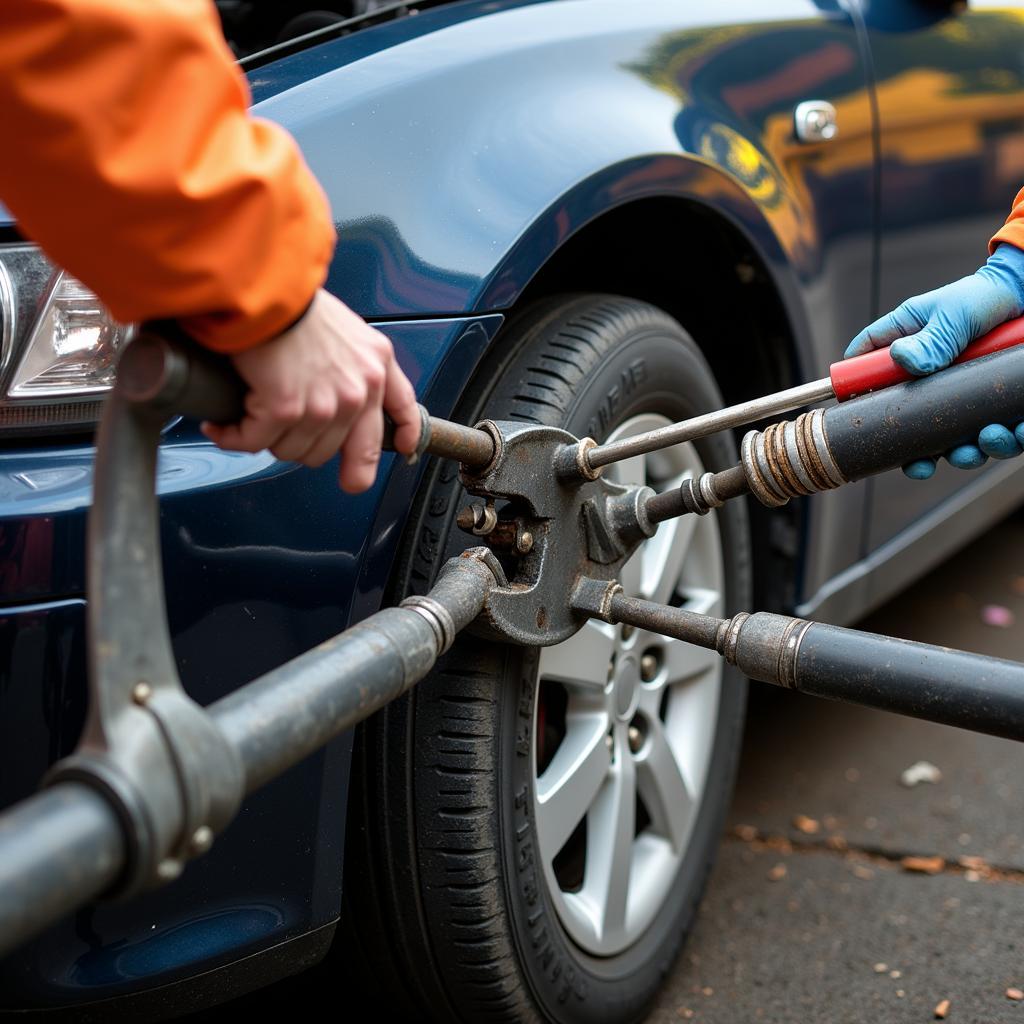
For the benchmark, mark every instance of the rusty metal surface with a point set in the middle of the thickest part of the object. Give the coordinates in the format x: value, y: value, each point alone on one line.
x: 282, y: 717
x: 710, y: 423
x: 578, y: 528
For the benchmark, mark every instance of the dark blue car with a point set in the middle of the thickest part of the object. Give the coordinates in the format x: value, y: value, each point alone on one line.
x: 600, y: 214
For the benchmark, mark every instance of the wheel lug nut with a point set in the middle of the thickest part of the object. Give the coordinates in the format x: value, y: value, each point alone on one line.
x: 650, y: 666
x: 627, y: 630
x: 636, y: 738
x: 608, y: 741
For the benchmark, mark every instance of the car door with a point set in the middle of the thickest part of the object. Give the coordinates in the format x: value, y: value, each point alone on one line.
x: 949, y: 84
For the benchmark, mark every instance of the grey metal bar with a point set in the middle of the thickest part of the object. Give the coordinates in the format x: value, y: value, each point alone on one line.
x: 58, y: 850
x: 277, y: 720
x: 710, y: 423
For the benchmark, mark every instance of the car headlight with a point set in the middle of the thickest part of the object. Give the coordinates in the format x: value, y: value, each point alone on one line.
x: 58, y: 346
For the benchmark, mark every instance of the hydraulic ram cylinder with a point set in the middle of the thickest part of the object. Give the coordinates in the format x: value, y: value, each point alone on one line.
x: 826, y: 448
x: 937, y: 684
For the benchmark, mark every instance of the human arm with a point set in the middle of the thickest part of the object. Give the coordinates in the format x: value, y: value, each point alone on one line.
x: 140, y: 170
x: 927, y: 332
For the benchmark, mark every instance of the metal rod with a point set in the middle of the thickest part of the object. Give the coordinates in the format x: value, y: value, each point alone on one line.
x: 282, y: 717
x: 710, y: 423
x: 689, y: 496
x: 167, y: 371
x: 58, y: 850
x: 936, y: 684
x: 65, y: 846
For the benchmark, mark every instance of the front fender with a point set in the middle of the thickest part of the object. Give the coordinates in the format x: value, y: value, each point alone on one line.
x: 458, y: 159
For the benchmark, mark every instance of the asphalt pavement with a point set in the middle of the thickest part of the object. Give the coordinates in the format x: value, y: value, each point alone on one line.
x: 841, y: 895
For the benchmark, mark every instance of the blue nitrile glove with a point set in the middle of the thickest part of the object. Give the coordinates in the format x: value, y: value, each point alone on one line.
x: 926, y: 333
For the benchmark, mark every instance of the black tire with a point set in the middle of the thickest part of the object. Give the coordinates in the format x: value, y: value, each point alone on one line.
x: 446, y: 920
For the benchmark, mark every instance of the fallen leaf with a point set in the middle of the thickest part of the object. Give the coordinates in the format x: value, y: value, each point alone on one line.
x: 972, y: 876
x: 997, y: 615
x: 748, y: 833
x: 685, y: 1012
x: 920, y: 771
x: 975, y: 863
x: 777, y: 873
x: 923, y: 865
x: 837, y: 843
x: 708, y: 990
x: 900, y: 993
x: 942, y: 1010
x: 881, y: 968
x: 863, y: 872
x: 1014, y: 993
x: 895, y: 974
x: 809, y: 826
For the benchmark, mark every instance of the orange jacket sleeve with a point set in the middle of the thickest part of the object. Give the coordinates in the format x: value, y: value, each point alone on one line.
x: 1013, y: 230
x: 130, y: 157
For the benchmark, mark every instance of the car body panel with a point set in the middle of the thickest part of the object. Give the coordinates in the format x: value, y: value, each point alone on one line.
x: 601, y: 103
x: 951, y: 117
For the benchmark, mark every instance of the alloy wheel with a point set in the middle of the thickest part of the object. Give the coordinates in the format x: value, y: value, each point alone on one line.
x: 623, y: 728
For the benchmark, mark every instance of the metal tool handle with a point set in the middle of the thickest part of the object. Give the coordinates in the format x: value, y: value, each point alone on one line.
x: 876, y: 370
x: 926, y: 417
x: 937, y: 684
x: 875, y: 433
x: 166, y: 370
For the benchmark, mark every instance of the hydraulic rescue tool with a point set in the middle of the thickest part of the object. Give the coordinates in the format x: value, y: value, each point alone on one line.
x: 156, y: 776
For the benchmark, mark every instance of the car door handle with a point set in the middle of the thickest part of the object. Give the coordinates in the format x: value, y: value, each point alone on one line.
x: 815, y: 121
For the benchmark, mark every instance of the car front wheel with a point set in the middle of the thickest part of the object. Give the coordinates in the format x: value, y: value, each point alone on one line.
x: 532, y: 828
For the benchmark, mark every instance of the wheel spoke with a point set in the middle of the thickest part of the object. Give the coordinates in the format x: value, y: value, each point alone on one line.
x: 583, y: 659
x: 662, y: 787
x: 611, y: 829
x: 685, y: 661
x: 701, y: 600
x: 566, y: 790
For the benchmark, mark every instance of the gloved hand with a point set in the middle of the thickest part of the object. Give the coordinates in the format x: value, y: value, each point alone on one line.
x: 927, y: 332
x: 319, y: 388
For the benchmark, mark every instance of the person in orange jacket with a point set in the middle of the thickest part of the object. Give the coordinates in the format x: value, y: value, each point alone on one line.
x: 131, y: 159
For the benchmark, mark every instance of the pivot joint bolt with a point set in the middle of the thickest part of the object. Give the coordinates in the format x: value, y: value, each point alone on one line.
x: 480, y: 520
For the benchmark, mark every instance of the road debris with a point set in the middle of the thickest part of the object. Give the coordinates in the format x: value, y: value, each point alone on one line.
x: 974, y: 863
x: 923, y: 865
x: 777, y: 873
x: 997, y: 615
x: 748, y: 833
x: 862, y: 872
x: 881, y: 968
x: 1014, y: 993
x: 895, y: 974
x: 920, y: 771
x: 809, y: 826
x: 942, y: 1010
x: 685, y: 1012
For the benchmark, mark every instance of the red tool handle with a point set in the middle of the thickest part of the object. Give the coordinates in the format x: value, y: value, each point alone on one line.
x: 876, y: 370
